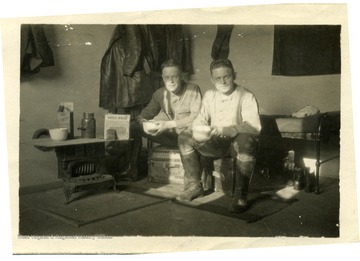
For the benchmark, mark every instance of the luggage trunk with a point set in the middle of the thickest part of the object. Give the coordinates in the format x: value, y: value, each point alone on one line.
x: 165, y: 165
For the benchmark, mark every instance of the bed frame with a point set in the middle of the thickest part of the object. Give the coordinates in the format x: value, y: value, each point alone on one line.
x: 281, y: 131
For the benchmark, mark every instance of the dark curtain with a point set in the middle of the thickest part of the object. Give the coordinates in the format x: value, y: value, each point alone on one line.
x: 306, y: 50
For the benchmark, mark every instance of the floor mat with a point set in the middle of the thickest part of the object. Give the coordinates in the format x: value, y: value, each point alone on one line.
x: 261, y: 204
x: 88, y: 207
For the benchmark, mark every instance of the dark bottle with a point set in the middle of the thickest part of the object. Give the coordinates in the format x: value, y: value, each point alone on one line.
x: 88, y: 126
x: 91, y: 126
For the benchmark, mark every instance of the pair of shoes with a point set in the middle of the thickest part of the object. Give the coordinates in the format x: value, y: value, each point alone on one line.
x: 191, y: 193
x: 238, y: 205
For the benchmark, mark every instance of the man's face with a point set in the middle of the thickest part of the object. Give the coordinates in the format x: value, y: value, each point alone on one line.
x: 223, y: 79
x: 172, y: 79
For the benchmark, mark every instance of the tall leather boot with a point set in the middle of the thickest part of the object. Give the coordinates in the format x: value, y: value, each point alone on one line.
x: 207, y: 178
x: 132, y: 173
x: 186, y: 182
x: 193, y: 169
x: 244, y: 171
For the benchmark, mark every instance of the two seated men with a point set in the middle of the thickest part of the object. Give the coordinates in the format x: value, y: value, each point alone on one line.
x: 231, y: 112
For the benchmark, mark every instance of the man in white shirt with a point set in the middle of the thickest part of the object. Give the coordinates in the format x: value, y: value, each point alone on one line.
x: 232, y: 113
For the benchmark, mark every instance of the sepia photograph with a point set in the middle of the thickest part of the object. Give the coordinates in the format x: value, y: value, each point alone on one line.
x: 180, y: 130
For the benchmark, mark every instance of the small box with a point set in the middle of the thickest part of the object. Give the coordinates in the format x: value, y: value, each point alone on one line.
x: 165, y: 165
x: 65, y: 117
x: 224, y: 171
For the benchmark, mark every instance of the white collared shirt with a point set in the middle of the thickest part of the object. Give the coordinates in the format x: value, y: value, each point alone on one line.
x: 239, y: 109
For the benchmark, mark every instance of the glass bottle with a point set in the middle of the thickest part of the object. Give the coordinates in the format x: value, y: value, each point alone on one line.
x: 91, y: 126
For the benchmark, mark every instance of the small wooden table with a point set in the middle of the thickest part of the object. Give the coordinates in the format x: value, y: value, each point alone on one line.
x: 79, y: 163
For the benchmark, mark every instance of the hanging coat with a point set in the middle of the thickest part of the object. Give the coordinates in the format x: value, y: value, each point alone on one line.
x: 125, y: 68
x: 134, y: 52
x: 35, y: 50
x: 173, y: 43
x: 220, y: 48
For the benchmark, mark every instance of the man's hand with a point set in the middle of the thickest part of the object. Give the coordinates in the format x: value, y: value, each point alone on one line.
x: 163, y: 126
x: 149, y: 129
x: 224, y: 132
x: 229, y: 131
x: 215, y: 132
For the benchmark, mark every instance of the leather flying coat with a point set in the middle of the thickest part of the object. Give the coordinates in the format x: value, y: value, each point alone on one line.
x: 134, y: 52
x: 125, y: 68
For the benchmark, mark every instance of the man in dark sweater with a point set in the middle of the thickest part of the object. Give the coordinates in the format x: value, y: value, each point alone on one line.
x: 172, y: 109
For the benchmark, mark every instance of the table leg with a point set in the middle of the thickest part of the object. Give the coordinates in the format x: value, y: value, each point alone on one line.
x: 68, y: 191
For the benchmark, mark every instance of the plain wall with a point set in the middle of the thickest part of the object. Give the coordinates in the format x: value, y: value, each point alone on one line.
x: 78, y: 50
x: 251, y: 51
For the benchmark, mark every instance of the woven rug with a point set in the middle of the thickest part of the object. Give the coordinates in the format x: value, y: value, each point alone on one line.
x: 88, y: 207
x: 262, y: 203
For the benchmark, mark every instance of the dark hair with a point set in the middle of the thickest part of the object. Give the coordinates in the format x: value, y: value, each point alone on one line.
x: 221, y: 63
x: 171, y: 63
